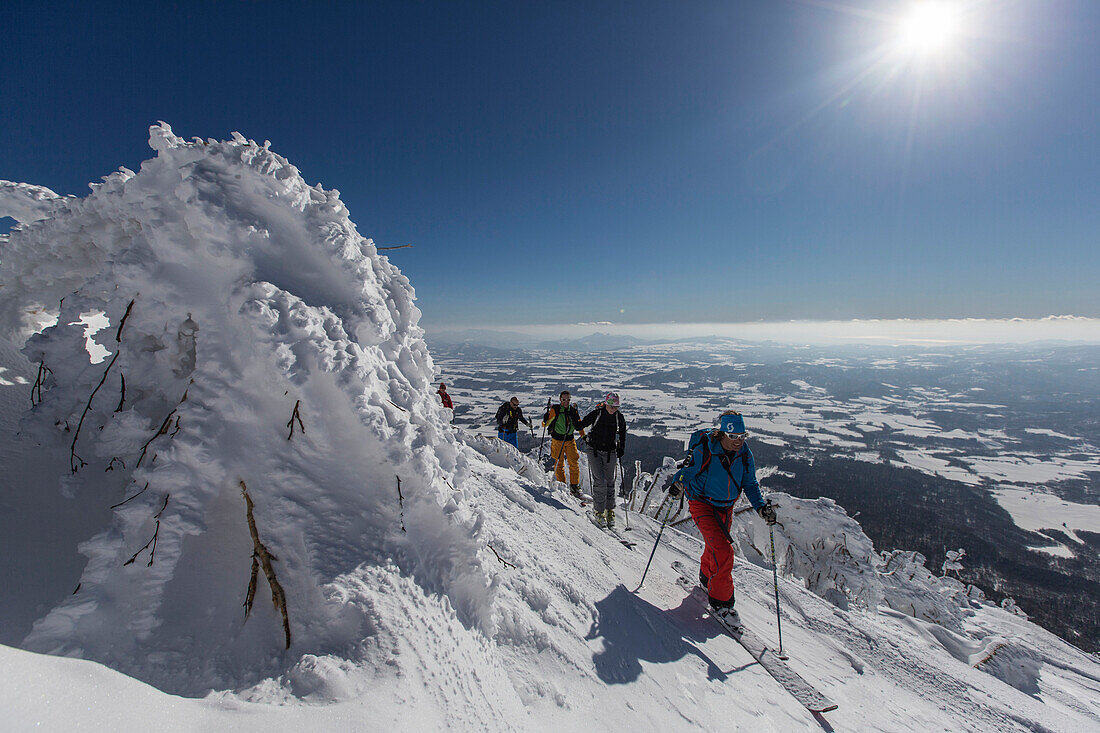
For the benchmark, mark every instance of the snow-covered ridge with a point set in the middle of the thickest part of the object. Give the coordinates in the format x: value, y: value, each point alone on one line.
x: 243, y: 306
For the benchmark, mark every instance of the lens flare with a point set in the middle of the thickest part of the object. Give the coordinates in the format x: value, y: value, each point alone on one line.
x: 928, y: 27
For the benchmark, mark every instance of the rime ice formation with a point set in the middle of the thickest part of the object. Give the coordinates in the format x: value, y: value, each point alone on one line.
x: 234, y: 292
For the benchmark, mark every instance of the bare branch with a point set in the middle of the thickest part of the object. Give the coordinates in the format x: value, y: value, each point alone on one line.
x: 261, y: 556
x: 163, y: 429
x: 116, y: 506
x: 152, y: 540
x: 122, y: 396
x: 400, y: 246
x: 502, y: 560
x: 73, y: 457
x: 38, y: 382
x: 295, y: 416
x: 401, y: 504
x: 122, y: 323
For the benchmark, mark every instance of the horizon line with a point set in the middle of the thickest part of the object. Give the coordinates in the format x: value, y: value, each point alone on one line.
x: 1068, y: 328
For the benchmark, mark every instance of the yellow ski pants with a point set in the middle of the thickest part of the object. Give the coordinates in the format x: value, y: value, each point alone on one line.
x: 570, y: 448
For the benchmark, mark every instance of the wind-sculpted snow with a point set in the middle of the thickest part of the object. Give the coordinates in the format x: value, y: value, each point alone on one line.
x: 827, y: 551
x: 243, y: 307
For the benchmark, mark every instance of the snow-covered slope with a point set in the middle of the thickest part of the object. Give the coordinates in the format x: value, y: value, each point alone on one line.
x: 243, y: 307
x: 472, y: 595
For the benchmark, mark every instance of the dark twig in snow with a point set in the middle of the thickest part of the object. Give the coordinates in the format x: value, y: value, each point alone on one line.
x: 152, y: 540
x: 401, y: 504
x: 116, y: 506
x: 163, y: 429
x: 502, y: 560
x: 111, y: 465
x: 38, y: 382
x: 75, y: 461
x: 122, y: 323
x: 295, y: 416
x: 122, y: 396
x: 400, y: 246
x: 399, y: 407
x: 73, y: 457
x: 261, y: 557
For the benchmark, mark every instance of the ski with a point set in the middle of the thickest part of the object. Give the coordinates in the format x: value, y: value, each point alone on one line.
x: 626, y: 543
x: 791, y: 681
x: 611, y: 531
x: 579, y: 498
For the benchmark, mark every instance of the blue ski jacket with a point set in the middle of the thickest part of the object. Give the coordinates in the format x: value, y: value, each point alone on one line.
x: 713, y: 483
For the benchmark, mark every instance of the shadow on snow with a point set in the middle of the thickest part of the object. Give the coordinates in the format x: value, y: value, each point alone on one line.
x: 633, y: 630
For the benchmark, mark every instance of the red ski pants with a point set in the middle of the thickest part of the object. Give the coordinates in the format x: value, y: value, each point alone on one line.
x: 717, y: 560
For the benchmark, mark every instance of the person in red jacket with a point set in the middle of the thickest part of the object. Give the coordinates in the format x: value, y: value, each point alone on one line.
x: 446, y: 398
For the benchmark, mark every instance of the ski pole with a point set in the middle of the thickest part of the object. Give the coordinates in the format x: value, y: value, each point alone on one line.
x: 655, y: 543
x: 543, y: 441
x: 626, y: 508
x: 775, y: 582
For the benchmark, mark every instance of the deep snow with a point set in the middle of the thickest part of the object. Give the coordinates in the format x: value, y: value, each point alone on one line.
x: 472, y: 595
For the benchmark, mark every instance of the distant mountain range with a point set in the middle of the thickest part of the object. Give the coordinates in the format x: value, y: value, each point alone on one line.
x: 513, y: 340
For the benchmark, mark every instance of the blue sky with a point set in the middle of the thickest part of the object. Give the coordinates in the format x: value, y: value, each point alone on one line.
x: 633, y: 162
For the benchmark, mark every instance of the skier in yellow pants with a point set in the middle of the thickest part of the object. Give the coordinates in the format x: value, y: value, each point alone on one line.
x: 562, y: 420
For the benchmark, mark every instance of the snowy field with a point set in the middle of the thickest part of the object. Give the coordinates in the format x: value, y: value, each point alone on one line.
x: 917, y: 425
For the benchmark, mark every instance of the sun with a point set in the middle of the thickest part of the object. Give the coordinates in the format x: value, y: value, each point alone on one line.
x: 928, y: 27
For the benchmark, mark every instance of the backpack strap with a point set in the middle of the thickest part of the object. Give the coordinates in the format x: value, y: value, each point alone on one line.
x: 704, y: 443
x: 701, y: 442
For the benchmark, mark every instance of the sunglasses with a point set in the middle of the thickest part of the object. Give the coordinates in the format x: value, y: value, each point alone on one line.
x: 738, y: 436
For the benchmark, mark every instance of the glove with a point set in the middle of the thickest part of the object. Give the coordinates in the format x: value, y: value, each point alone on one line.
x: 675, y: 490
x: 767, y: 513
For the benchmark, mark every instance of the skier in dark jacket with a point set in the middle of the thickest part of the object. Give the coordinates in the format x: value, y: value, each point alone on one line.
x: 509, y: 416
x: 606, y: 443
x: 563, y: 419
x: 718, y: 467
x: 444, y: 397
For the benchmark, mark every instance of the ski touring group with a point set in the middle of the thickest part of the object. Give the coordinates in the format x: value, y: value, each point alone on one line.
x: 717, y: 469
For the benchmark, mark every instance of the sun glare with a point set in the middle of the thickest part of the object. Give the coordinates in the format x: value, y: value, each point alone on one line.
x: 928, y: 27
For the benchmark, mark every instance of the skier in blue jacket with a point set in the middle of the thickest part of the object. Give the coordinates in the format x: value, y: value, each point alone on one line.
x: 718, y: 467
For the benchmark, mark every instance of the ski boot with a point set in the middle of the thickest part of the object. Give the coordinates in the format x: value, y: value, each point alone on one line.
x: 610, y: 514
x: 725, y: 613
x: 728, y: 617
x: 575, y: 490
x: 599, y: 519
